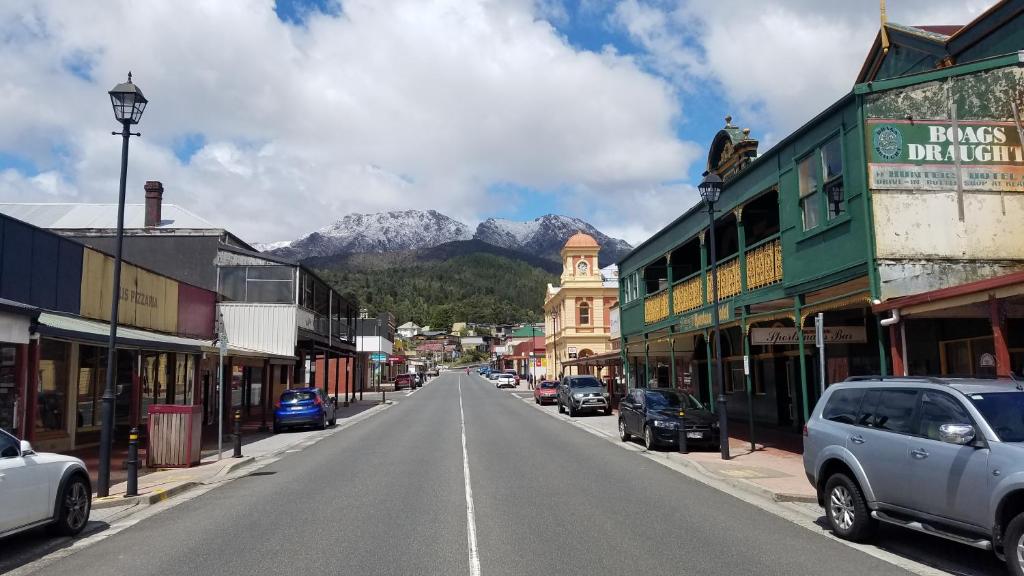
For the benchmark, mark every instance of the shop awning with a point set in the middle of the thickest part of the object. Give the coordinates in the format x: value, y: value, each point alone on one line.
x: 96, y: 332
x: 239, y: 352
x: 613, y: 358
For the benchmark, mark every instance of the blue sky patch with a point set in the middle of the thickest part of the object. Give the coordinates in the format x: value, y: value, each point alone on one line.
x: 80, y: 63
x: 186, y: 146
x: 297, y: 11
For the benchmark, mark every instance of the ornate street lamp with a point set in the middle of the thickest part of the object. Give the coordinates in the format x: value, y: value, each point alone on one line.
x: 128, y: 103
x: 710, y: 191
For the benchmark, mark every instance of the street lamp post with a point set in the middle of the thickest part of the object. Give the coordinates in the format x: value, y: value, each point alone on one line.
x: 710, y: 190
x: 128, y: 103
x: 554, y: 341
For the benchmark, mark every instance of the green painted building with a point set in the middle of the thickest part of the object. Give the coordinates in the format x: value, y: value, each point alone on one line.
x: 865, y: 203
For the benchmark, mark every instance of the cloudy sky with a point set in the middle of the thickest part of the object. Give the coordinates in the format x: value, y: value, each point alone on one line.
x: 276, y: 118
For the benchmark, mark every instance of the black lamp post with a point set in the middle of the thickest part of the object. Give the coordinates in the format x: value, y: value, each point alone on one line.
x: 554, y: 341
x: 710, y: 190
x: 128, y: 103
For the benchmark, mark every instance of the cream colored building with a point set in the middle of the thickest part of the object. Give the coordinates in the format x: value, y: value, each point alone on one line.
x: 577, y: 313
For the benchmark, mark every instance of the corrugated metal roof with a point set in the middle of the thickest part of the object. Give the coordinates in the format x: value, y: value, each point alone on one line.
x: 73, y: 327
x: 101, y: 216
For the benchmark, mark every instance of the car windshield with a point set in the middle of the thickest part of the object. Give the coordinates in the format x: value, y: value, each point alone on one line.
x: 549, y: 385
x: 294, y: 397
x: 585, y: 382
x: 671, y: 399
x: 1004, y: 412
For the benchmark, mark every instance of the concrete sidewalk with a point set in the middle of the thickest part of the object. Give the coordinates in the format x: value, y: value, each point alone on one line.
x: 165, y: 483
x: 771, y: 472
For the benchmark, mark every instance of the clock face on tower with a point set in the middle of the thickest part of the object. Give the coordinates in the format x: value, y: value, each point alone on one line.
x: 581, y: 267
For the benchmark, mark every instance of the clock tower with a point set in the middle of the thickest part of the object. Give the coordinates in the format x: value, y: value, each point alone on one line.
x: 579, y: 260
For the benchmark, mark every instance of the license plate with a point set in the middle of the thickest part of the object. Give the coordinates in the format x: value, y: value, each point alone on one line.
x: 697, y: 435
x: 296, y: 408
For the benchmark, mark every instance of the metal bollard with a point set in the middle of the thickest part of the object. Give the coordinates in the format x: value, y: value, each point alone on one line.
x: 133, y: 463
x: 683, y: 448
x: 238, y: 434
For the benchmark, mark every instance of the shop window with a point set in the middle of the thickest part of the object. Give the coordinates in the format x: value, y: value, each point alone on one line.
x: 735, y: 381
x: 53, y: 386
x: 963, y: 357
x: 184, y: 376
x: 810, y: 203
x: 584, y: 314
x: 92, y: 378
x: 154, y: 381
x: 8, y: 389
x: 832, y: 174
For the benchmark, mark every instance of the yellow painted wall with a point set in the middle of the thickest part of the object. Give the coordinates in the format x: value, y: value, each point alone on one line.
x: 147, y: 300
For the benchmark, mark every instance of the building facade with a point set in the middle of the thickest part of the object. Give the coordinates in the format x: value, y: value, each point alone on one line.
x: 906, y: 185
x: 577, y: 321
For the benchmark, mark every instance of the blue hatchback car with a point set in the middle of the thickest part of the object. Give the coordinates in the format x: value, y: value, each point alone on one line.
x: 304, y: 407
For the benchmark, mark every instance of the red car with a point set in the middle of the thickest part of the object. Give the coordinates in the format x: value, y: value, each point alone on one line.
x: 546, y: 391
x: 404, y: 380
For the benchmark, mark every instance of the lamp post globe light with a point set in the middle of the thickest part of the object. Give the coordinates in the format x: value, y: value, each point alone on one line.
x: 128, y: 103
x: 710, y: 191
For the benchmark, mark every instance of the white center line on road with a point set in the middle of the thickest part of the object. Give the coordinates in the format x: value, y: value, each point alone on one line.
x: 474, y: 553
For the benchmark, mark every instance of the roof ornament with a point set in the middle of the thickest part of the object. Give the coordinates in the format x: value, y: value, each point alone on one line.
x: 884, y: 21
x: 728, y: 121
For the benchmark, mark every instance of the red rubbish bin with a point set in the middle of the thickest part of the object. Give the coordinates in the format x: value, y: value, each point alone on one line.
x: 174, y: 436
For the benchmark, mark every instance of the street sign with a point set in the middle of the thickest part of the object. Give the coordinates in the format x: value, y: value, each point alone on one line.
x: 378, y: 357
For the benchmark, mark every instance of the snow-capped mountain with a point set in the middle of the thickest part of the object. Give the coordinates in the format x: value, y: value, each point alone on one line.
x: 417, y: 229
x: 546, y: 235
x: 381, y: 232
x: 269, y: 246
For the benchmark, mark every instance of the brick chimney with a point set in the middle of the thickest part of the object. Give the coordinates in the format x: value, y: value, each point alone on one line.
x: 154, y: 200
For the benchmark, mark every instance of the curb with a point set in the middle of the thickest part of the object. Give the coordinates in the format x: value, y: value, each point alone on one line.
x: 157, y: 495
x: 238, y: 463
x: 710, y: 478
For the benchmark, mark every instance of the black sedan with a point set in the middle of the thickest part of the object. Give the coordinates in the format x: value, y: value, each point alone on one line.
x: 656, y: 414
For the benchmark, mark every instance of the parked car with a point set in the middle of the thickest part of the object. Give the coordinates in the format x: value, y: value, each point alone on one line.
x: 417, y: 379
x: 492, y: 375
x: 41, y: 489
x: 655, y: 415
x: 404, y: 381
x: 504, y: 380
x: 940, y: 456
x: 582, y: 394
x: 432, y: 372
x: 546, y: 392
x: 514, y: 374
x: 304, y: 407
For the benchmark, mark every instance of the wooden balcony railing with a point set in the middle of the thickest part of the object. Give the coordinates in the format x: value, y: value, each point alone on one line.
x: 764, y: 265
x: 688, y: 295
x: 656, y: 307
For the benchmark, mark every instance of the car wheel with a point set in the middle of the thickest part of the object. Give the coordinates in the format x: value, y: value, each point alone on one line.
x: 334, y: 420
x: 277, y: 428
x: 572, y: 410
x: 1013, y: 545
x: 323, y: 422
x: 623, y: 435
x: 846, y: 509
x: 649, y: 438
x: 74, y: 504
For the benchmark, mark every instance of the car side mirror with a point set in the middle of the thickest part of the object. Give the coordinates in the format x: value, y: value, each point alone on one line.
x: 960, y: 434
x: 26, y: 448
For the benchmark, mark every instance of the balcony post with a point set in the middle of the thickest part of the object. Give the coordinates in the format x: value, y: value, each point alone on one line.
x: 703, y: 270
x: 668, y: 266
x: 741, y: 235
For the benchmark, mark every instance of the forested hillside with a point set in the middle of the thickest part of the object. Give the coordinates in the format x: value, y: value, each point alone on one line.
x: 475, y: 287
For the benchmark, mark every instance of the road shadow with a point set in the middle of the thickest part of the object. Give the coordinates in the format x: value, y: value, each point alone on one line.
x: 32, y: 545
x: 931, y: 551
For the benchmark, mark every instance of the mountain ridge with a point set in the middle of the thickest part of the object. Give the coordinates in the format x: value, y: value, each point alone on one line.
x: 413, y: 230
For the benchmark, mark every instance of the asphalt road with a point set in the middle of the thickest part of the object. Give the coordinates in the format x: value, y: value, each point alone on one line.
x: 387, y: 496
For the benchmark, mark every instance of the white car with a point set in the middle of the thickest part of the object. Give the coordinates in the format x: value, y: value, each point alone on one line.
x: 503, y: 380
x: 41, y: 489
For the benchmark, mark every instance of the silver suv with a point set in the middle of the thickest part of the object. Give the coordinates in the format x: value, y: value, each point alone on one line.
x: 940, y: 456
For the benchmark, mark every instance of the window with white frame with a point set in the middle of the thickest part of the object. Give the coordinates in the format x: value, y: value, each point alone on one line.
x: 810, y: 198
x: 832, y: 175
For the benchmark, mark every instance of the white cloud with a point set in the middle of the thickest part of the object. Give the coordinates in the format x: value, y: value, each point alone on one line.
x: 779, y: 62
x: 391, y: 104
